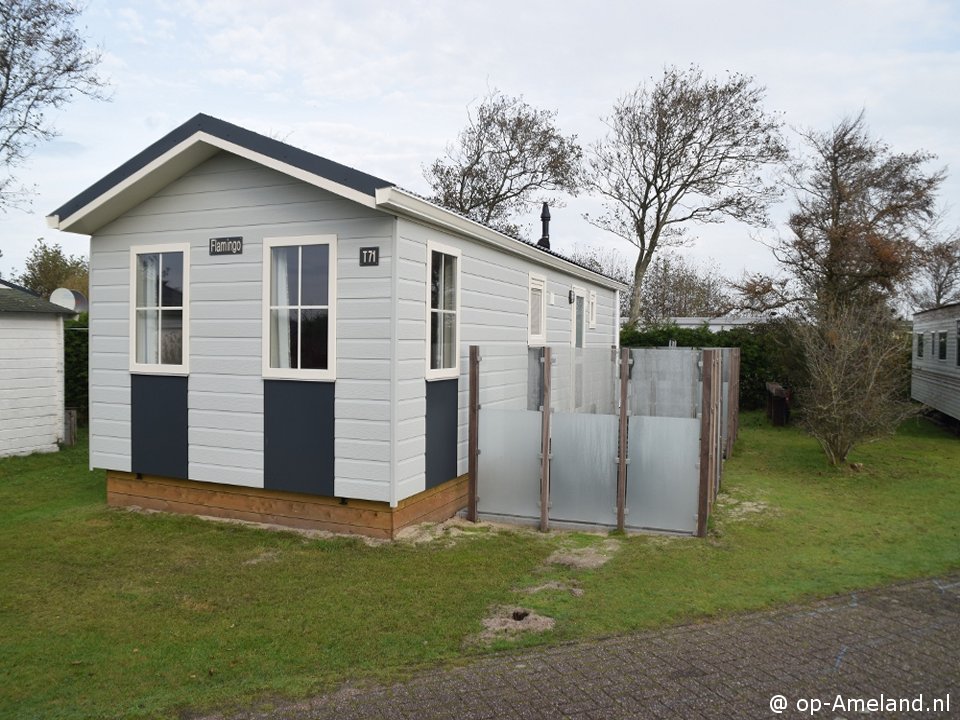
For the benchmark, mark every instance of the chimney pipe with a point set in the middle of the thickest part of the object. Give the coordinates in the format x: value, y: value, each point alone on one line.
x: 544, y: 241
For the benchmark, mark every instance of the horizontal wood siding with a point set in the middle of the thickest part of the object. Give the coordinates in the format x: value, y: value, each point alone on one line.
x: 936, y: 382
x: 363, y: 517
x: 364, y: 338
x: 230, y: 196
x: 494, y: 315
x: 31, y: 382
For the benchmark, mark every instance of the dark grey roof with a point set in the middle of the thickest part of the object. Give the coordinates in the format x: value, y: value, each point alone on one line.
x: 541, y: 248
x: 347, y: 176
x: 19, y: 299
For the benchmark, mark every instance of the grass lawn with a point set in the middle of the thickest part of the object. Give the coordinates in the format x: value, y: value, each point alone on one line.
x: 109, y: 613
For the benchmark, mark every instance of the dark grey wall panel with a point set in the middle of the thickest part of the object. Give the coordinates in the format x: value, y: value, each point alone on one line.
x: 158, y: 425
x: 441, y: 439
x: 298, y: 423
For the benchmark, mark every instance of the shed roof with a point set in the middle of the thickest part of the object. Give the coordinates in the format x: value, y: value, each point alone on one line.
x: 202, y: 136
x: 951, y: 306
x: 16, y: 299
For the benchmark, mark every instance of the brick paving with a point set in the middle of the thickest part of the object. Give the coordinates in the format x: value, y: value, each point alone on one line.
x: 901, y: 642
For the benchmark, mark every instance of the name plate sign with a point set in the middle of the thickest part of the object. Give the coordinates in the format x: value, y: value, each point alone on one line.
x: 370, y: 256
x: 226, y: 246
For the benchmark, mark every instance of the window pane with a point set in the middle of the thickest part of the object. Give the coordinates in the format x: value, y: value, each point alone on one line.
x: 436, y: 278
x: 449, y: 282
x: 449, y: 340
x: 435, y: 331
x: 284, y: 270
x: 579, y: 340
x: 147, y: 336
x: 283, y: 338
x: 148, y: 280
x: 942, y: 354
x: 315, y: 261
x: 171, y: 337
x: 314, y: 332
x: 536, y: 311
x: 172, y: 279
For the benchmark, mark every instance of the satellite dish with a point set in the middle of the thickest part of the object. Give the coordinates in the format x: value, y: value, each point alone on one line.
x: 70, y: 299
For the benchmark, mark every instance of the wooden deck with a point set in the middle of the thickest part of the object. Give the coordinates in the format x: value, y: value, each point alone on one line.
x: 360, y: 517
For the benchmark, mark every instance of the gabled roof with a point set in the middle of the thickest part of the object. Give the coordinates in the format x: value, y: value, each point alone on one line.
x: 203, y: 136
x: 14, y: 298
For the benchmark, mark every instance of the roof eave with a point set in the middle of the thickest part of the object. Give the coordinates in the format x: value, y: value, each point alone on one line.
x: 401, y: 202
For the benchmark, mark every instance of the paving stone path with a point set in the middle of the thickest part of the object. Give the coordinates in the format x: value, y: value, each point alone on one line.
x: 897, y: 644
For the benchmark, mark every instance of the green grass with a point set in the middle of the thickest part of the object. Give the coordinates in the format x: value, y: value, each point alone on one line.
x: 108, y: 613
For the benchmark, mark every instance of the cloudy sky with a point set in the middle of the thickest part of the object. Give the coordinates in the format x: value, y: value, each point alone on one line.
x: 384, y: 86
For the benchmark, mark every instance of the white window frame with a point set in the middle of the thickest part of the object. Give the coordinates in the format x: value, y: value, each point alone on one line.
x: 578, y: 292
x: 159, y: 368
x: 330, y: 373
x: 452, y: 372
x: 537, y: 282
x: 592, y: 310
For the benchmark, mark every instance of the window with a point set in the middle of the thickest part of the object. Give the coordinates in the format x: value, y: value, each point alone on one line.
x: 537, y: 313
x: 919, y: 345
x: 593, y: 309
x: 957, y: 359
x: 579, y: 319
x: 299, y: 323
x: 159, y: 289
x: 443, y: 280
x: 942, y: 346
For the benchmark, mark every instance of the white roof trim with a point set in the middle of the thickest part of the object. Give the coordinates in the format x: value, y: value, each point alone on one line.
x: 198, y: 138
x: 402, y: 202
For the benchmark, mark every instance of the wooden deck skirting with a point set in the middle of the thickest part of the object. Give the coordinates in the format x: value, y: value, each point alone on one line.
x: 360, y: 517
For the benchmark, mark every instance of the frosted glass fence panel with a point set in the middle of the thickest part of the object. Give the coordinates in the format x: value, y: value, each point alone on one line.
x: 665, y: 382
x: 726, y: 360
x: 506, y: 377
x: 663, y: 476
x: 584, y: 380
x: 509, y: 463
x: 583, y: 472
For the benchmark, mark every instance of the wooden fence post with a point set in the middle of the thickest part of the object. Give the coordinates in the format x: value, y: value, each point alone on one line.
x: 545, y: 444
x: 473, y: 437
x: 707, y: 443
x: 622, y: 442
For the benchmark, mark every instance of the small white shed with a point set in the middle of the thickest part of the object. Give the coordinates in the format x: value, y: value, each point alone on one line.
x: 278, y: 337
x: 31, y: 372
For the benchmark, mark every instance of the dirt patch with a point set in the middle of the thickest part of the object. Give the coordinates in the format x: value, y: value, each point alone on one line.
x: 450, y: 531
x: 586, y: 558
x: 509, y: 621
x: 573, y: 589
x: 741, y: 509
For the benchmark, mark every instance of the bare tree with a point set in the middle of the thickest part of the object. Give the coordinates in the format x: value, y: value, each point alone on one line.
x: 508, y: 153
x: 857, y: 360
x: 44, y: 63
x: 675, y: 287
x: 938, y: 277
x: 687, y: 148
x: 862, y: 213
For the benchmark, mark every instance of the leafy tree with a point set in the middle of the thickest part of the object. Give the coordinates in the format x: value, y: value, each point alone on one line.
x: 854, y: 241
x: 508, y: 153
x: 686, y: 148
x: 44, y: 63
x: 47, y: 268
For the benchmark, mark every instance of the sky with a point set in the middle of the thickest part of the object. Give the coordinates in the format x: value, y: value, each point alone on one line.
x: 385, y: 86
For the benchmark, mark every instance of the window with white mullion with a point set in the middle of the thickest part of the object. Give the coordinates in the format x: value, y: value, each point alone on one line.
x: 299, y: 308
x: 159, y: 307
x: 444, y: 287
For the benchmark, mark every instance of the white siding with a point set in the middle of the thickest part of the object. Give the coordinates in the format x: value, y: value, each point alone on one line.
x: 493, y: 314
x: 936, y: 382
x: 229, y: 196
x: 31, y: 382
